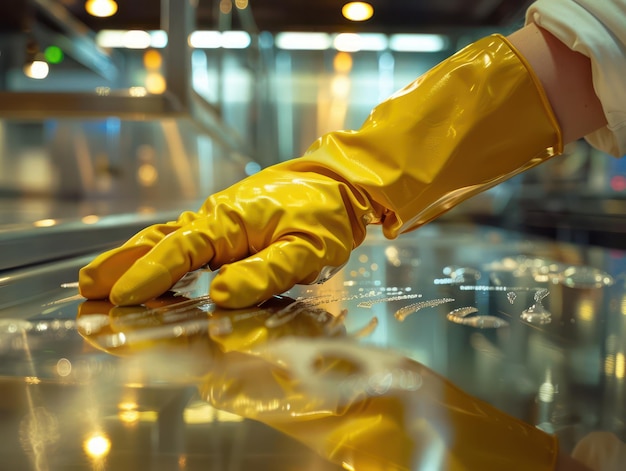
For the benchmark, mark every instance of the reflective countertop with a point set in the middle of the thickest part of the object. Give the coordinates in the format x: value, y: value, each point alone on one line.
x: 534, y: 328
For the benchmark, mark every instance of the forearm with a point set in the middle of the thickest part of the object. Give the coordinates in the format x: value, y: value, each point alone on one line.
x: 566, y: 79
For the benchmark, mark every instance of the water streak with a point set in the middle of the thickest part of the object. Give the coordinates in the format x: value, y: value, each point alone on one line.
x: 402, y: 313
x: 401, y: 297
x: 480, y: 322
x: 463, y: 311
x: 511, y: 296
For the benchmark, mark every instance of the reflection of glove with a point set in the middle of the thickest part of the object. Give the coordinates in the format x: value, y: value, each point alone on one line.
x: 373, y: 410
x: 175, y: 320
x: 474, y: 120
x: 370, y: 409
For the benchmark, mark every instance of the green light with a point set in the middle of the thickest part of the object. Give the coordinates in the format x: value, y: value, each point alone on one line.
x: 53, y: 54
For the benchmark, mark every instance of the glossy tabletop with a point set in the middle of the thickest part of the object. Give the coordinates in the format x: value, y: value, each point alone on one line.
x: 534, y: 328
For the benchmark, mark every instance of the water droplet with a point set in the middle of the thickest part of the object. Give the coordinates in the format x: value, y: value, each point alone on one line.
x: 369, y: 304
x: 12, y: 326
x: 480, y: 322
x: 463, y: 311
x: 511, y: 296
x: 92, y: 323
x: 536, y: 314
x: 540, y: 294
x: 585, y: 277
x: 461, y: 274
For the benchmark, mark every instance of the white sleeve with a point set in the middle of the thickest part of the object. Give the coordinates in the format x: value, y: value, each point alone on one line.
x: 597, y: 29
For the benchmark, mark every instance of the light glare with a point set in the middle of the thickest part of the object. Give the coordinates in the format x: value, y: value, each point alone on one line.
x: 101, y: 8
x: 303, y: 41
x: 357, y: 11
x: 418, y: 42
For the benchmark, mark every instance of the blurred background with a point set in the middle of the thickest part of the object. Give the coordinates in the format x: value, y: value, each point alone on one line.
x: 137, y: 108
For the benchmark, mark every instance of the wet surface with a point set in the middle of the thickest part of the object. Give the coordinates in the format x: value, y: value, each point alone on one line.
x: 533, y: 329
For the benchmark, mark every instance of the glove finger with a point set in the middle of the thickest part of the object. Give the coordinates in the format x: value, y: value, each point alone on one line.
x: 96, y: 279
x: 182, y: 251
x: 271, y: 271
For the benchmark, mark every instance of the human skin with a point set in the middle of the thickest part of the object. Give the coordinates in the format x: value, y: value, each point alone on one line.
x: 566, y: 79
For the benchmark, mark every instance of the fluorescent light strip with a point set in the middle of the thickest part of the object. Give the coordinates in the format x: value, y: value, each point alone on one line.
x: 215, y: 39
x: 132, y: 39
x: 351, y: 42
x: 418, y: 42
x: 347, y: 42
x: 303, y: 41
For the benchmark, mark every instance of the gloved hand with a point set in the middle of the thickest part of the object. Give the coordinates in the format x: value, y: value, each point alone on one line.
x: 472, y: 121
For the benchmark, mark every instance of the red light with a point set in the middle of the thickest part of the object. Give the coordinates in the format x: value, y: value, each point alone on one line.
x: 618, y: 183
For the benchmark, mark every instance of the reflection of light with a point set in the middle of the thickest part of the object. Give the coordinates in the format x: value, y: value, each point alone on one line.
x: 147, y: 174
x: 418, y: 42
x: 241, y: 4
x: 128, y: 416
x: 155, y: 83
x: 137, y: 91
x: 103, y: 91
x: 200, y: 413
x: 620, y: 366
x: 90, y: 219
x: 252, y: 168
x: 546, y: 392
x: 347, y: 467
x: 226, y: 6
x: 45, y: 223
x: 393, y: 256
x: 152, y: 59
x: 303, y: 41
x: 128, y: 412
x: 585, y: 310
x: 97, y: 446
x: 101, y: 8
x: 357, y: 11
x: 609, y: 365
x: 340, y: 86
x: 342, y: 63
x: 36, y: 69
x: 64, y: 367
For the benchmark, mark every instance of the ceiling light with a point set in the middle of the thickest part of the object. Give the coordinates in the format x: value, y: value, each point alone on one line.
x: 418, y: 42
x: 351, y: 42
x: 115, y: 39
x: 357, y: 11
x: 137, y: 39
x: 216, y: 39
x: 101, y: 8
x: 303, y: 41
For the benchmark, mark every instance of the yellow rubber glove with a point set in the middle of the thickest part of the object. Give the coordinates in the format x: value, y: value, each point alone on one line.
x: 469, y: 123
